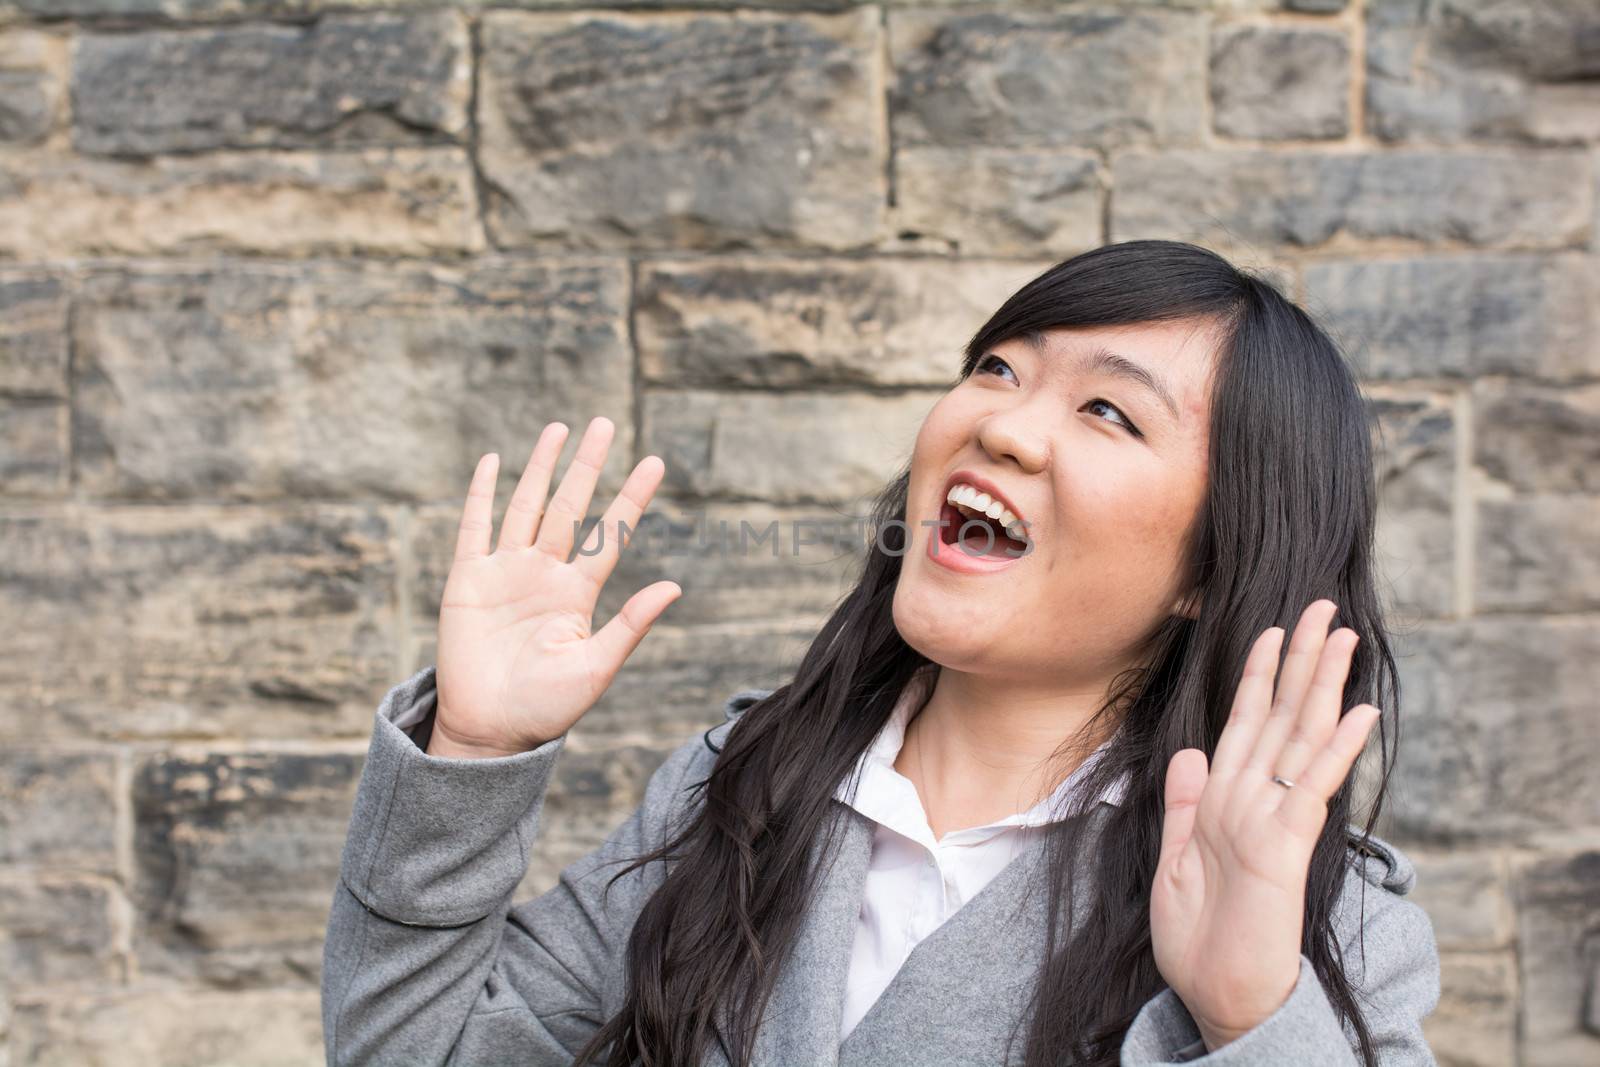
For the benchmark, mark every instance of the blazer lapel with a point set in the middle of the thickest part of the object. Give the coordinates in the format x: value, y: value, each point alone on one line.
x: 965, y: 987
x: 951, y: 994
x: 804, y: 1016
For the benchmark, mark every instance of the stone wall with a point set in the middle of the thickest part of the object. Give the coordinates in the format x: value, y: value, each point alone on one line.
x: 274, y: 273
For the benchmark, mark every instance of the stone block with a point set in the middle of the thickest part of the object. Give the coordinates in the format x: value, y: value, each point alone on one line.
x: 33, y: 70
x: 1002, y: 201
x: 57, y: 930
x: 1467, y: 895
x: 1456, y: 317
x: 396, y: 202
x: 344, y: 79
x: 664, y: 131
x: 1538, y: 554
x: 33, y: 334
x: 1480, y: 70
x: 1310, y: 199
x: 204, y: 622
x: 1276, y: 83
x: 1475, y: 1024
x: 743, y: 444
x: 1558, y: 933
x: 1533, y: 437
x: 296, y: 382
x: 1414, y: 441
x: 58, y: 809
x: 1101, y: 79
x: 838, y: 322
x: 170, y: 1028
x: 236, y: 858
x: 1496, y: 730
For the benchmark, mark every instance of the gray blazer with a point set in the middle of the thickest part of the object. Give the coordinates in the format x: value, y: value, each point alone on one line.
x: 428, y: 961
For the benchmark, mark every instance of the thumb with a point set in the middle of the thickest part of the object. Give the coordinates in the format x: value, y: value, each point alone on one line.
x: 1187, y: 774
x: 617, y: 639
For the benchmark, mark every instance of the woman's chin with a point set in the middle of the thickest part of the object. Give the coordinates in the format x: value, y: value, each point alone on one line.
x: 939, y: 626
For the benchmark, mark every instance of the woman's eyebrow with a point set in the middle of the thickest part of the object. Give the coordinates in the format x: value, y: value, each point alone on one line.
x: 1101, y: 360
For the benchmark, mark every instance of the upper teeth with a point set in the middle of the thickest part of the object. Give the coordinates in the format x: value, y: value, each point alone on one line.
x: 975, y: 502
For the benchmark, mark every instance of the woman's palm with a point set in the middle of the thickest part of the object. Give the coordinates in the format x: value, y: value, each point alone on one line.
x: 518, y: 660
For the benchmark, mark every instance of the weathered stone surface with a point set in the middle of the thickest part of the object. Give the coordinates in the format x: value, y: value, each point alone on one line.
x: 997, y: 202
x: 743, y: 444
x: 1413, y: 441
x: 674, y: 684
x: 313, y: 381
x: 57, y: 808
x: 760, y: 322
x: 33, y: 334
x: 341, y: 80
x: 1475, y: 1024
x: 1027, y: 79
x: 749, y: 562
x: 34, y: 462
x: 58, y: 931
x: 725, y: 579
x: 1483, y: 70
x: 1538, y: 438
x: 266, y: 1028
x: 401, y: 201
x: 197, y: 622
x: 1496, y: 730
x: 1309, y: 198
x: 1466, y: 894
x: 236, y: 856
x: 32, y: 82
x: 1280, y: 82
x: 1462, y: 316
x: 1538, y: 554
x: 1558, y: 914
x: 135, y: 12
x: 655, y: 131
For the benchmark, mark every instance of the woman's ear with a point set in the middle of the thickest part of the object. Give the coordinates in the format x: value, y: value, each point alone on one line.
x: 1188, y: 606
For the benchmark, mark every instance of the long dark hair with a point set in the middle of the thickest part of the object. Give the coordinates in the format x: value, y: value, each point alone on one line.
x: 1288, y: 518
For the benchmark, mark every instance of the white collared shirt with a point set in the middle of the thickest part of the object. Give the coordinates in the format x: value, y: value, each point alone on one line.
x: 915, y: 883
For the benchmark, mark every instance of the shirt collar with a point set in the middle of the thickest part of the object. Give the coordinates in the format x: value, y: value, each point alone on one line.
x: 886, y: 796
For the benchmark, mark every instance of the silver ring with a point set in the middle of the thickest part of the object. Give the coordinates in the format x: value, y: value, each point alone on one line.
x: 1283, y: 782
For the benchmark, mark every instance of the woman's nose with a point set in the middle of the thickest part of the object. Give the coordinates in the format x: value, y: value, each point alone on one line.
x: 1008, y: 435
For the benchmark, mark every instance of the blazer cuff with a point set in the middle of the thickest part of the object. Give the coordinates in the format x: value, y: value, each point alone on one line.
x: 435, y: 841
x: 1304, y: 1030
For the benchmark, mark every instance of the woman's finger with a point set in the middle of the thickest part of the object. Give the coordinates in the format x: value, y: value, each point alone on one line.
x: 1250, y: 702
x: 1299, y: 667
x: 603, y: 546
x: 527, y: 500
x: 1319, y: 712
x: 617, y: 639
x: 567, y: 508
x: 1304, y: 808
x: 1185, y: 782
x: 477, y: 515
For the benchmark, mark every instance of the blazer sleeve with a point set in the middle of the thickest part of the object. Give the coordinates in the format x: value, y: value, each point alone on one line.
x: 1395, y: 975
x: 426, y: 960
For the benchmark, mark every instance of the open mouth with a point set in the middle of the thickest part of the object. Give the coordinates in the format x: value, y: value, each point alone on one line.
x: 964, y: 527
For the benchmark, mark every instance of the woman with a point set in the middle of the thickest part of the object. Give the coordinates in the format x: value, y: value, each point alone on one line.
x: 1182, y: 458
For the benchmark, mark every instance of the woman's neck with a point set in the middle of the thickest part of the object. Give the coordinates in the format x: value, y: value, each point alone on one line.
x: 980, y: 751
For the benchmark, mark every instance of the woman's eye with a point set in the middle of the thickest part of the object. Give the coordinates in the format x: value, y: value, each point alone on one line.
x: 1124, y: 419
x: 993, y: 361
x: 988, y: 364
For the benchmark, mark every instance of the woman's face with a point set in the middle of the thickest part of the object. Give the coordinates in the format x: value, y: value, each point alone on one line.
x: 1106, y: 508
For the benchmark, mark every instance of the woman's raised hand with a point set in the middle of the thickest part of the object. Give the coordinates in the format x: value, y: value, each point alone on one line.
x: 1228, y: 903
x: 517, y: 663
